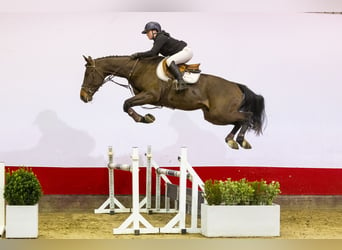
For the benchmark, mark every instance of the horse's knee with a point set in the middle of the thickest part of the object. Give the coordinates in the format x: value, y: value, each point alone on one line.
x: 126, y: 106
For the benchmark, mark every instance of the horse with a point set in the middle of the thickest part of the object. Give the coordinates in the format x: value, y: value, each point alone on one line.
x: 222, y: 102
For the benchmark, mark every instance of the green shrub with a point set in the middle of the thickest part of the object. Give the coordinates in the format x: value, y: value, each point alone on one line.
x: 240, y: 192
x: 236, y: 192
x: 22, y: 187
x: 213, y: 193
x: 264, y: 193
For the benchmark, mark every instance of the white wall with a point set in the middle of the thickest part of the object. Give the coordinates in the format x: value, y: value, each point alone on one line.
x: 292, y: 59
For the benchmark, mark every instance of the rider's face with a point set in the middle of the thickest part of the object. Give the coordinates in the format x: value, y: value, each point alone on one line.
x: 151, y: 34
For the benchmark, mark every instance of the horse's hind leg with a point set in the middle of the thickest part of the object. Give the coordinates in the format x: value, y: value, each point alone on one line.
x: 242, y: 124
x: 241, y: 137
x: 230, y: 137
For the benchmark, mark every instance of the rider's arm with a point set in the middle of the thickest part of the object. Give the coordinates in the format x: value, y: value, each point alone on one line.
x: 157, y: 45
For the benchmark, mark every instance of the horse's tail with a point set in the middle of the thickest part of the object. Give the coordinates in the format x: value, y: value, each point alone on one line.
x: 254, y: 103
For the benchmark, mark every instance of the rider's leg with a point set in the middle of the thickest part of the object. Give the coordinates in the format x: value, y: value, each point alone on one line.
x: 181, y: 84
x: 182, y: 56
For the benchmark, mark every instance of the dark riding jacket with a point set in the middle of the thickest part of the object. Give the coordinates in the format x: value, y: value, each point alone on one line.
x: 165, y: 45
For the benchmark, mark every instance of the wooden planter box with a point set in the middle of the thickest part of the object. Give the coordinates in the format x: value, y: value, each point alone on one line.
x: 22, y: 221
x: 240, y: 221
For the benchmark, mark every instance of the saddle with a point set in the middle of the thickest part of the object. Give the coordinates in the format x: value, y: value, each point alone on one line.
x: 190, y: 68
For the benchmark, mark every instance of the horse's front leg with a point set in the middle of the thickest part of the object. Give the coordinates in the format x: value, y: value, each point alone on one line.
x: 137, y: 100
x: 148, y: 118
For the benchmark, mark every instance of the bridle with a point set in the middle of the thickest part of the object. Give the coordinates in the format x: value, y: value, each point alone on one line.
x: 110, y: 78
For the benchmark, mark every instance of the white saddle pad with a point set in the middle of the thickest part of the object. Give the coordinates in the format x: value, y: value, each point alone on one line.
x: 188, y: 77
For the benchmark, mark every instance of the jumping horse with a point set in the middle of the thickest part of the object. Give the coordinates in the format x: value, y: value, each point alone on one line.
x: 223, y: 102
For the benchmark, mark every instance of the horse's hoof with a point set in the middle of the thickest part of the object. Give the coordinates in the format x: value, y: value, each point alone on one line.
x: 232, y: 144
x: 246, y: 145
x: 148, y: 118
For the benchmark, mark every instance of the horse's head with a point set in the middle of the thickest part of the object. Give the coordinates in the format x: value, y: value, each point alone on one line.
x: 93, y: 80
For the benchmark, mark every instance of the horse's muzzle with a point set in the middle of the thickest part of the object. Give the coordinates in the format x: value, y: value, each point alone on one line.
x: 85, y: 96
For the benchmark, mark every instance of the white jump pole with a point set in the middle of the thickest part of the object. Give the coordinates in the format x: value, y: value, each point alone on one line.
x: 2, y: 200
x: 146, y: 201
x: 196, y: 183
x: 111, y: 182
x: 179, y: 218
x: 112, y: 201
x: 148, y: 179
x: 161, y: 174
x: 135, y: 218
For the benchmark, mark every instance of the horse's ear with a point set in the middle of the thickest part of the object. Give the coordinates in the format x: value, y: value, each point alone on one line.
x: 89, y: 60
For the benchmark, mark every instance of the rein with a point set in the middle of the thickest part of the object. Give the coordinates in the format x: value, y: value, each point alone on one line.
x: 110, y: 77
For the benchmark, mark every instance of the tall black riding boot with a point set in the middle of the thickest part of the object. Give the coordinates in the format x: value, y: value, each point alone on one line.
x: 180, y: 84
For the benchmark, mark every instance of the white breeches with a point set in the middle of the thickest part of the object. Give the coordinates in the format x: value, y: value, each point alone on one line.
x: 182, y: 56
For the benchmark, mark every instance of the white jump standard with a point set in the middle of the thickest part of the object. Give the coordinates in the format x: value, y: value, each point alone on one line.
x: 135, y: 218
x: 112, y: 201
x: 179, y: 218
x: 177, y: 224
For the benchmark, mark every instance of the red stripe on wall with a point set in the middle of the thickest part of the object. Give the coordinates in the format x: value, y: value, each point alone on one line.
x: 293, y: 181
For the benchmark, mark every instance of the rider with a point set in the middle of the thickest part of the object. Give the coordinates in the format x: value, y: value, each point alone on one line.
x: 176, y: 50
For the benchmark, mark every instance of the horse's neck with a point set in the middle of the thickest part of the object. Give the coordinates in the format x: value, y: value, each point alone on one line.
x: 119, y: 66
x: 125, y: 67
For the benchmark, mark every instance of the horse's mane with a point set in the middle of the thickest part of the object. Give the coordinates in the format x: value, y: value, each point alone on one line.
x: 153, y: 59
x: 109, y: 57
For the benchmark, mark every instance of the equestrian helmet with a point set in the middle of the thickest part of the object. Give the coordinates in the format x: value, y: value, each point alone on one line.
x: 151, y: 26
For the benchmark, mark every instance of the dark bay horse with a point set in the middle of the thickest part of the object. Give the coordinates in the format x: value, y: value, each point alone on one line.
x: 222, y: 102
